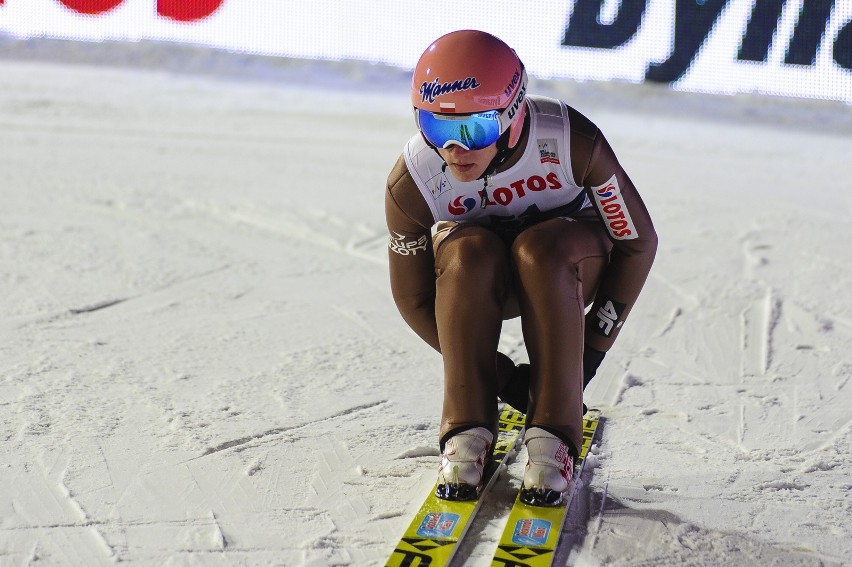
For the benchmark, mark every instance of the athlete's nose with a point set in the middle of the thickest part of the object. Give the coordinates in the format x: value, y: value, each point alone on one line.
x: 456, y: 149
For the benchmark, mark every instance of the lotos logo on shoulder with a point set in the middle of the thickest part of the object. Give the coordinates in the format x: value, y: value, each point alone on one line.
x: 614, y: 210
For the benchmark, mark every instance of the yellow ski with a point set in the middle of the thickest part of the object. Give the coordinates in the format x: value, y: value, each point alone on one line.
x: 434, y: 534
x: 532, y: 532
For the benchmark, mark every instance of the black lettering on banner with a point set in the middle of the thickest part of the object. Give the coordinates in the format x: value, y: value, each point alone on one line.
x: 693, y: 21
x: 843, y: 47
x: 586, y: 30
x: 810, y: 28
x: 761, y: 27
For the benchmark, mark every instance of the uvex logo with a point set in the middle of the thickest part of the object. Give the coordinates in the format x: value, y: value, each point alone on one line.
x: 694, y: 20
x: 515, y: 78
x: 519, y: 100
x: 180, y: 10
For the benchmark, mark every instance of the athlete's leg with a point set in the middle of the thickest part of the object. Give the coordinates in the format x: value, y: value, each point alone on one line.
x: 558, y: 265
x: 473, y: 278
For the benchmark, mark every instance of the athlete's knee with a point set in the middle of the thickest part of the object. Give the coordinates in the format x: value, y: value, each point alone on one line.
x: 472, y: 253
x: 558, y: 243
x: 547, y: 248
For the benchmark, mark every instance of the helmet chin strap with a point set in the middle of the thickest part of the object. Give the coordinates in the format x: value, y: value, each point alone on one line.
x: 507, y: 144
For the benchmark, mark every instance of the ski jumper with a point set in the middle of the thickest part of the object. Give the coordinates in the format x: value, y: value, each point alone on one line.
x: 558, y: 227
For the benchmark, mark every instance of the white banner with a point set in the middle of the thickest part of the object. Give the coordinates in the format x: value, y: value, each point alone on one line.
x: 791, y: 48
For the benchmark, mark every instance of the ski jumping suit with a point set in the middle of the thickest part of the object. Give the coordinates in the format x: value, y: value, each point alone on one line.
x: 558, y: 226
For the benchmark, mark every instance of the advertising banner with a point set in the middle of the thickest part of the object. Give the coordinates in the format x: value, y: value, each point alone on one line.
x: 794, y: 48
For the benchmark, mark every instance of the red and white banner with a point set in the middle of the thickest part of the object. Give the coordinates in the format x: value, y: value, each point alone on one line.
x: 180, y: 10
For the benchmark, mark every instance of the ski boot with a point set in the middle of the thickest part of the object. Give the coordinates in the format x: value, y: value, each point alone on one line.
x: 460, y: 475
x: 549, y: 469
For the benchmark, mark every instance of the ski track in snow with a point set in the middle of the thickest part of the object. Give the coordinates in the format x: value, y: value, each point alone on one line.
x: 201, y: 362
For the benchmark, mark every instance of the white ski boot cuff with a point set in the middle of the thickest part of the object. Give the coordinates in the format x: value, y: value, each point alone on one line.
x: 463, y: 459
x: 550, y: 465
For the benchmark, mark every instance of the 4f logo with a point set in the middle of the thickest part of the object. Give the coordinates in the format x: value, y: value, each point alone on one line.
x: 609, y: 317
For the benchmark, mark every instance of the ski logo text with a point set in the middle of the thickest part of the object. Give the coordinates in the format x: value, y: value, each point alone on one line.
x: 614, y: 210
x: 531, y: 532
x: 438, y: 525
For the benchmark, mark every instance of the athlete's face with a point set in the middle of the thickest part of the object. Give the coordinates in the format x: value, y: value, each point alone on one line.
x: 468, y: 165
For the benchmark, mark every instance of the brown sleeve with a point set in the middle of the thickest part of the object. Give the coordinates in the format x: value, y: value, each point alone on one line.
x: 412, y: 264
x: 594, y: 164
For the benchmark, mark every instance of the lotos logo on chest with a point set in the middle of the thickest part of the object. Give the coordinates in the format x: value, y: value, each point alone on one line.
x: 505, y: 195
x: 614, y: 210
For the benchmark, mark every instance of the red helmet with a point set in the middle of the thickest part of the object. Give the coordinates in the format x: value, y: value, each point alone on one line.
x: 469, y: 72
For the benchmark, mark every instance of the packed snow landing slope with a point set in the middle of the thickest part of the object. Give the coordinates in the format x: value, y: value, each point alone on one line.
x: 201, y: 364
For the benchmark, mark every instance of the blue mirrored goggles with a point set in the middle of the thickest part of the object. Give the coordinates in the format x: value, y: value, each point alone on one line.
x: 470, y: 131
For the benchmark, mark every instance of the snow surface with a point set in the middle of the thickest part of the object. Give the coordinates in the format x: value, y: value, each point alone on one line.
x: 201, y: 363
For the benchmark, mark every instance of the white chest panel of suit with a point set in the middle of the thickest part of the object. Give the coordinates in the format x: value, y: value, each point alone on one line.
x: 540, y: 182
